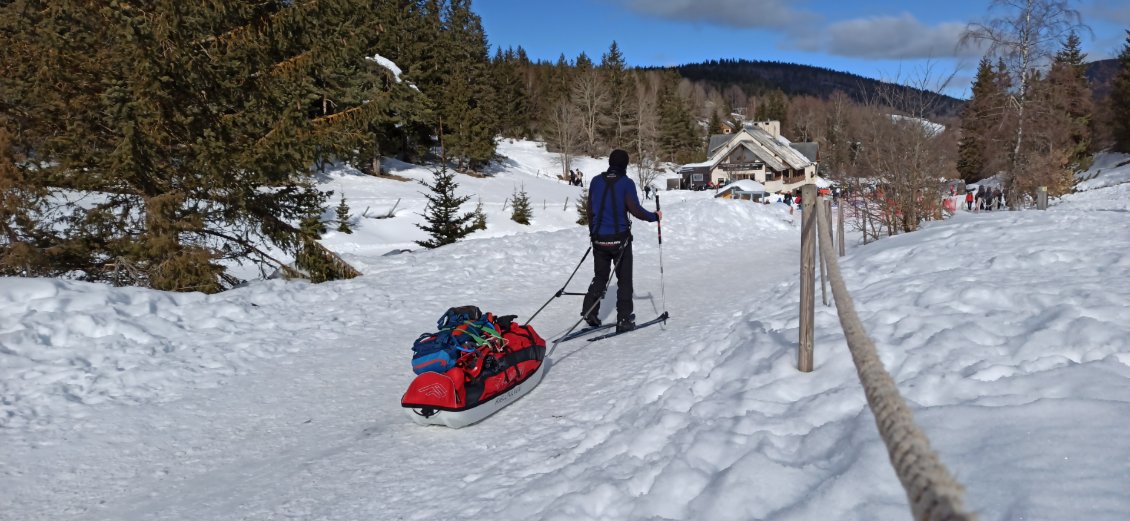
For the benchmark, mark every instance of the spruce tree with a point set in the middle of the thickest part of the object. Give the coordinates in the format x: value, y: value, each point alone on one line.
x: 343, y: 216
x: 678, y: 135
x: 976, y: 119
x: 774, y: 106
x: 480, y: 220
x: 583, y: 208
x: 513, y: 100
x: 139, y: 104
x: 466, y: 98
x: 444, y: 223
x: 1069, y: 108
x: 522, y: 212
x: 1120, y: 100
x: 621, y: 90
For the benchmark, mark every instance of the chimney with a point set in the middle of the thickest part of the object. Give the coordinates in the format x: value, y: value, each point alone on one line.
x: 773, y: 127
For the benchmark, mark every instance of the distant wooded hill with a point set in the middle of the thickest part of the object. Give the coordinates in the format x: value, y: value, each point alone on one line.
x: 1101, y: 74
x: 759, y: 77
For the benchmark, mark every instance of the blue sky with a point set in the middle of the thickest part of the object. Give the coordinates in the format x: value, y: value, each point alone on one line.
x: 885, y: 39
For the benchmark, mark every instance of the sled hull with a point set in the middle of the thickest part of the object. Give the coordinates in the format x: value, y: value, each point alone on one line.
x: 465, y: 417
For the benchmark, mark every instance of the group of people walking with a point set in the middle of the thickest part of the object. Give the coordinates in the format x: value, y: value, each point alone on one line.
x: 985, y: 198
x: 576, y: 178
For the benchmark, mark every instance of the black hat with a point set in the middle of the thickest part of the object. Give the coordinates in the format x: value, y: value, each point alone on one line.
x: 618, y: 160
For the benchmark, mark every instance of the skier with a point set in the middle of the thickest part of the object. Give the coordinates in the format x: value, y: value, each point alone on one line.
x: 612, y: 196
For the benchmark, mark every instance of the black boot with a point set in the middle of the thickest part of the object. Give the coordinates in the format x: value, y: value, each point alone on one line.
x: 626, y: 324
x: 592, y: 320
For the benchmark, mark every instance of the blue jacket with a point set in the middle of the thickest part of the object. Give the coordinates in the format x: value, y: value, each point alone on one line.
x: 609, y: 207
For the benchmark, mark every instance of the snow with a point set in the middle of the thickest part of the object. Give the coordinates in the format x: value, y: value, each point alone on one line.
x: 388, y: 64
x: 746, y: 185
x: 931, y: 128
x: 1108, y: 169
x: 1007, y: 332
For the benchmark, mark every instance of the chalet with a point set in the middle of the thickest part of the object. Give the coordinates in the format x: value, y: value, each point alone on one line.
x: 757, y: 152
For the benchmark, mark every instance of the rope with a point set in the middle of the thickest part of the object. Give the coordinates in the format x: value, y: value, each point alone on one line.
x: 933, y: 493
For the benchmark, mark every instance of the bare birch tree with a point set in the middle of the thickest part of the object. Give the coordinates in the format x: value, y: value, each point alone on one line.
x: 564, y: 133
x: 646, y: 118
x: 592, y: 101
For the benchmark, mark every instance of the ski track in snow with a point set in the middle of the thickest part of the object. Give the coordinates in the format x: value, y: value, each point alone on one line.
x: 1006, y: 331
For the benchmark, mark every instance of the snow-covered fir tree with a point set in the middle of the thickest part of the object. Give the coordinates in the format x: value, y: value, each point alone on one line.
x: 522, y: 212
x: 583, y: 208
x: 480, y: 220
x: 343, y: 216
x: 444, y: 223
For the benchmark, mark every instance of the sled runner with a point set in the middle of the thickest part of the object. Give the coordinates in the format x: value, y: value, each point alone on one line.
x: 475, y: 365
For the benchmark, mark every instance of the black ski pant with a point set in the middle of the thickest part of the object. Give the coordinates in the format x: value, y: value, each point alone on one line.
x: 603, y: 259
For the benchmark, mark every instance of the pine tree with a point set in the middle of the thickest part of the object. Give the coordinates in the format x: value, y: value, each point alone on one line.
x: 1120, y: 100
x: 468, y: 106
x: 774, y: 106
x: 1070, y: 106
x: 444, y: 223
x: 513, y: 100
x: 139, y: 104
x: 309, y: 259
x: 976, y: 120
x: 620, y: 92
x: 522, y: 212
x: 480, y: 220
x: 343, y: 216
x: 678, y: 138
x: 312, y: 225
x: 583, y: 208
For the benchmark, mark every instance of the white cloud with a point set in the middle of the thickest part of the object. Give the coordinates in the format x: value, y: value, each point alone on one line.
x: 894, y: 37
x: 1115, y: 12
x: 763, y: 14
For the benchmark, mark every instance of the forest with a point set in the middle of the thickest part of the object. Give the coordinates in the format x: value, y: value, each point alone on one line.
x: 152, y: 146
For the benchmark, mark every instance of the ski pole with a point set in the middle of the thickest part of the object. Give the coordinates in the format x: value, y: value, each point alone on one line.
x: 562, y: 290
x: 592, y: 308
x: 662, y: 286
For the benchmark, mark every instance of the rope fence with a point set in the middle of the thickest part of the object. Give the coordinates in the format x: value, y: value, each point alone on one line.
x: 933, y: 493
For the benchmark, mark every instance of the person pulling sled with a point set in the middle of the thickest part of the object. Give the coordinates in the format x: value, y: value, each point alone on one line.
x: 612, y: 196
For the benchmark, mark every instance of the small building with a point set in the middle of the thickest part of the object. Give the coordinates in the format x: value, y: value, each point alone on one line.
x: 757, y: 152
x: 744, y: 189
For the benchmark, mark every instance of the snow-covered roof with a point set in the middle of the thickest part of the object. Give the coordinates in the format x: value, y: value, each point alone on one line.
x: 780, y: 155
x: 931, y: 128
x: 746, y: 185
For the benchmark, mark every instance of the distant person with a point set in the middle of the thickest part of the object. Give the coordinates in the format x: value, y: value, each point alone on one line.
x: 969, y: 200
x: 612, y: 196
x: 647, y: 192
x: 998, y: 196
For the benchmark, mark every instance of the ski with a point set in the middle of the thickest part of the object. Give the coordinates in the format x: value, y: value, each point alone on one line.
x: 582, y: 332
x: 652, y: 322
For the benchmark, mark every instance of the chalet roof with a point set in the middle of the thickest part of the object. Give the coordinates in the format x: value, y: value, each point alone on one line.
x: 782, y: 149
x: 716, y: 141
x: 781, y: 156
x: 810, y: 150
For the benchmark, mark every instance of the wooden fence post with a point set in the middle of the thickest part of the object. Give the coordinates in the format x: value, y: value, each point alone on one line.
x: 840, y: 226
x: 821, y: 227
x: 1042, y: 198
x: 807, y: 276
